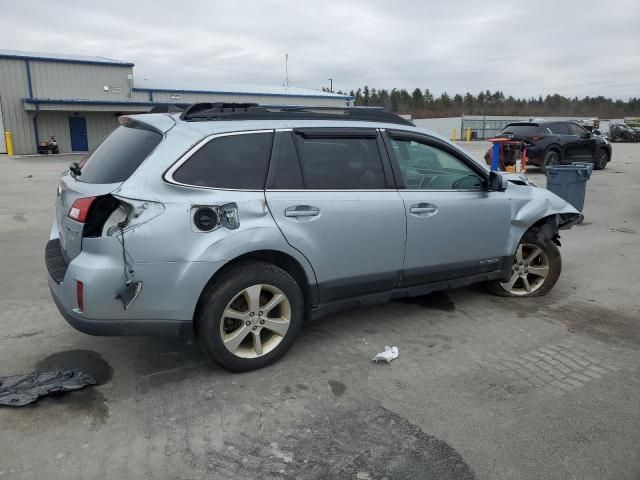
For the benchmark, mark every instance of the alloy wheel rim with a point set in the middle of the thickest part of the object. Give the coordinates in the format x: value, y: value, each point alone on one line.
x: 255, y: 321
x: 552, y: 160
x: 530, y: 270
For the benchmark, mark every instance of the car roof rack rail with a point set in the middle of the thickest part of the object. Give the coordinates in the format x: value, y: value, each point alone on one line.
x: 199, y: 112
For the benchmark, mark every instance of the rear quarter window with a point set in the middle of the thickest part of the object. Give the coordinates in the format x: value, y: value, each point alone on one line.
x: 237, y: 162
x: 119, y: 155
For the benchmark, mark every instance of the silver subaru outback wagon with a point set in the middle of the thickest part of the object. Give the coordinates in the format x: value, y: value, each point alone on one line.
x: 236, y: 223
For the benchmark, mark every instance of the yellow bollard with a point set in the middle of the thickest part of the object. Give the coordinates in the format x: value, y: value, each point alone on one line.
x: 468, y: 134
x: 9, y: 142
x: 454, y: 135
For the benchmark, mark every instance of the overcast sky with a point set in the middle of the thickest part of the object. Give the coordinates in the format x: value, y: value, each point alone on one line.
x: 523, y: 48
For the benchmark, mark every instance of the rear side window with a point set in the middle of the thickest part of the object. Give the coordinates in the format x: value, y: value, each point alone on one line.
x: 119, y: 155
x: 341, y: 163
x: 521, y: 129
x: 237, y: 162
x: 559, y: 128
x: 577, y: 130
x: 285, y: 166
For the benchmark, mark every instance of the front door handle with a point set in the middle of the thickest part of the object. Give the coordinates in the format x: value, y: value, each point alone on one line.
x: 423, y: 209
x: 301, y: 211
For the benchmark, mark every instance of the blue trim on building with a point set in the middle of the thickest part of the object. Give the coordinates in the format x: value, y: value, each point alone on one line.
x: 66, y: 60
x: 222, y: 92
x: 60, y: 101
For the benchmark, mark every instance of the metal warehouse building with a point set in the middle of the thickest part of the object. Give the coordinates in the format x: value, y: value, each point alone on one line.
x: 78, y: 99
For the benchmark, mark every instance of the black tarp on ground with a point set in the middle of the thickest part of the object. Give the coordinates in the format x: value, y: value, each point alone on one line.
x: 19, y: 390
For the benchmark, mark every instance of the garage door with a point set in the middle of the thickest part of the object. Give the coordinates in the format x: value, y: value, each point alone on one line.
x: 3, y: 147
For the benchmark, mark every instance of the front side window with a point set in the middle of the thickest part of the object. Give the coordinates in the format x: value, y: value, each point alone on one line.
x: 425, y: 167
x: 340, y: 163
x: 237, y: 162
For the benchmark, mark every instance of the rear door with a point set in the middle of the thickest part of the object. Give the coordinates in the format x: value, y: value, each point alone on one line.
x: 563, y: 138
x: 101, y: 173
x: 455, y: 227
x: 338, y: 207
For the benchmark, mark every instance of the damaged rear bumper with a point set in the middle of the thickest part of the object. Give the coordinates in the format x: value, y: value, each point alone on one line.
x: 101, y: 272
x: 123, y: 327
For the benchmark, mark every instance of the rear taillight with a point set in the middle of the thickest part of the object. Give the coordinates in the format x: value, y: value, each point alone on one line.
x: 536, y: 138
x: 80, y: 209
x: 80, y: 295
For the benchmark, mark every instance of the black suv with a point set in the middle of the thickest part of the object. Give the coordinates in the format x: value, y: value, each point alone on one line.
x: 551, y: 143
x: 623, y: 133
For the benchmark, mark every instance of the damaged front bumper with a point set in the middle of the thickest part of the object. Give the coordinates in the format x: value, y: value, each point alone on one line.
x: 568, y: 220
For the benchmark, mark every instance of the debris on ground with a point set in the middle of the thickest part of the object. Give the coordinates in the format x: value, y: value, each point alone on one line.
x: 390, y: 353
x: 19, y: 390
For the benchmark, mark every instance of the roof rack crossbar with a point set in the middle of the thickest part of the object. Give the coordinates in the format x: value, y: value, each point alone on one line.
x: 253, y: 111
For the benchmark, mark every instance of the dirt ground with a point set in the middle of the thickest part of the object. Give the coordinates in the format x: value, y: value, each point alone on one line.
x: 485, y: 387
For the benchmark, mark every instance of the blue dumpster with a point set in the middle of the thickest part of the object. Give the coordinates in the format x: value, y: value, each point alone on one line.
x: 569, y: 182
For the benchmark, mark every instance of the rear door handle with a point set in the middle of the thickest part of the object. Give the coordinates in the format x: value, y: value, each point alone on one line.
x: 423, y: 209
x: 301, y: 211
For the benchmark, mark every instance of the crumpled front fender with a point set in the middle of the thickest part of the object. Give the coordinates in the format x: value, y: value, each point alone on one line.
x: 532, y: 205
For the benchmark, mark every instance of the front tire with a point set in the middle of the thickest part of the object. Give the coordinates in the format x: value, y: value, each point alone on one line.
x: 602, y: 158
x: 536, y: 268
x: 250, y: 316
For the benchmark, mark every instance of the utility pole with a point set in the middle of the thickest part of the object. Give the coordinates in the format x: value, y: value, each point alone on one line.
x: 331, y: 84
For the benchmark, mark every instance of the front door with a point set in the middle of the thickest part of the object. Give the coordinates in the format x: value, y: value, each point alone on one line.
x: 78, y: 132
x: 455, y: 227
x: 339, y: 209
x: 583, y: 145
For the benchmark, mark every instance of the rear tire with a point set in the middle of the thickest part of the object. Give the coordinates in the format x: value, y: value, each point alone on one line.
x: 250, y: 316
x: 551, y: 158
x: 536, y: 268
x: 601, y: 160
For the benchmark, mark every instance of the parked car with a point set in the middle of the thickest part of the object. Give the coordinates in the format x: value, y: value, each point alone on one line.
x: 558, y: 143
x: 623, y: 133
x: 235, y: 223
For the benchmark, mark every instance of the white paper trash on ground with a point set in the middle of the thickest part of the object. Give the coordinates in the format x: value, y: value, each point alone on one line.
x: 389, y: 354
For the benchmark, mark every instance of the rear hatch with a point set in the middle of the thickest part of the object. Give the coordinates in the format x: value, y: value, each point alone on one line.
x: 100, y: 173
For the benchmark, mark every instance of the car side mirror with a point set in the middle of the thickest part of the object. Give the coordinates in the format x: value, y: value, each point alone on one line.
x: 497, y: 182
x: 586, y: 135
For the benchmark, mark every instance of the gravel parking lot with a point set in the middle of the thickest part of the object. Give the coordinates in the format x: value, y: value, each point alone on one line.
x: 485, y: 387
